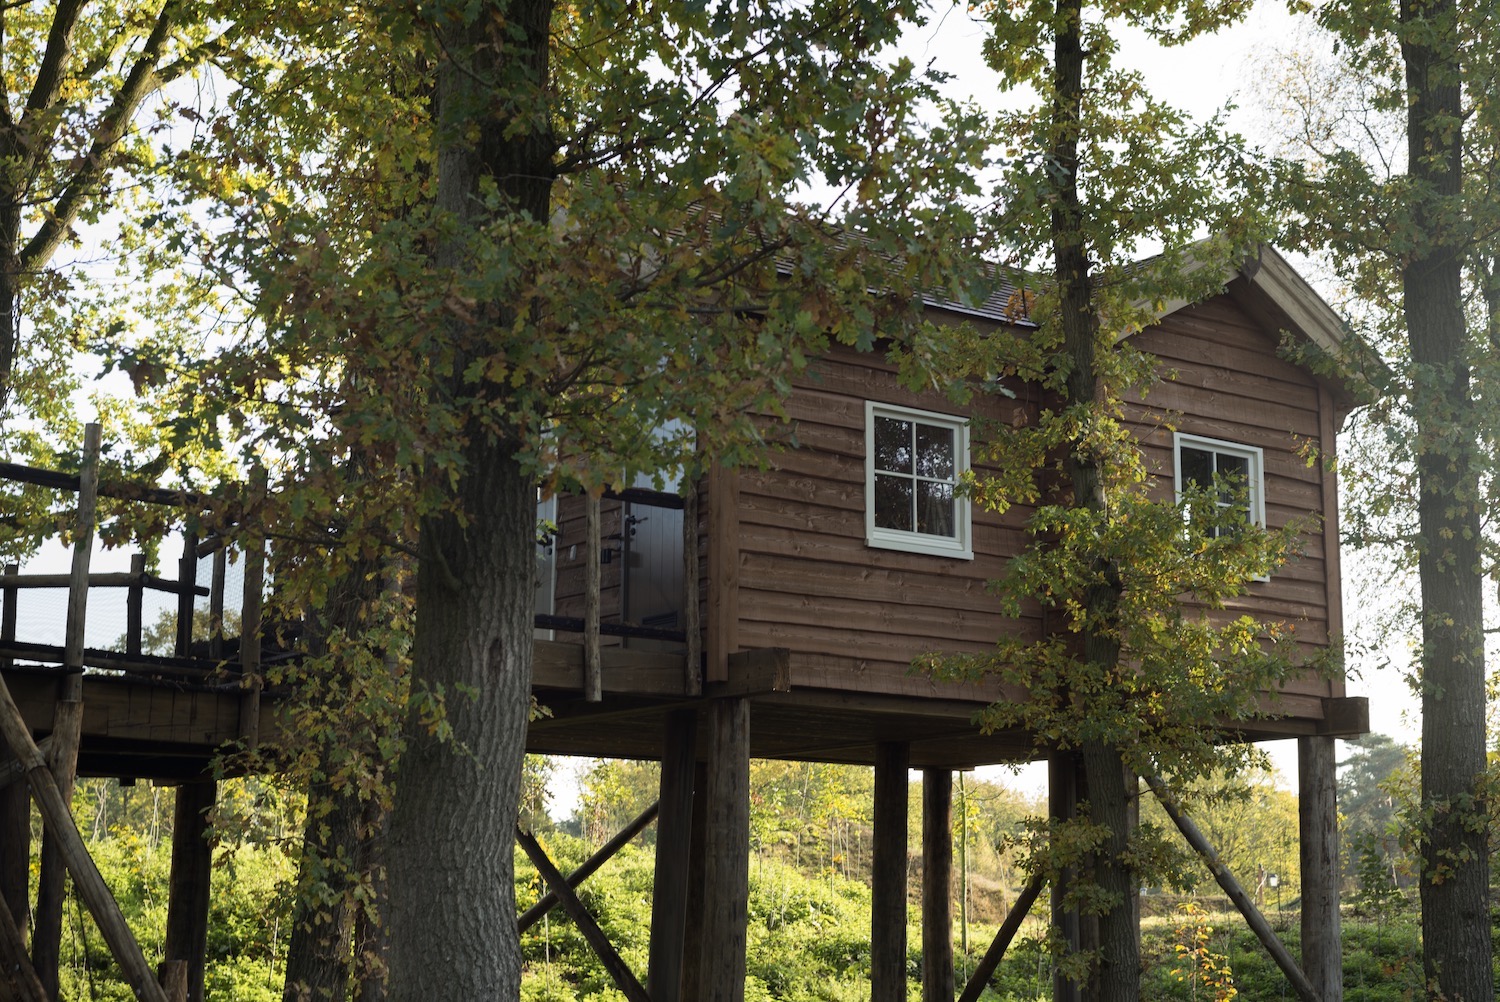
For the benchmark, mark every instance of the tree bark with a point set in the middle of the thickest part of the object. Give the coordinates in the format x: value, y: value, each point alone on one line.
x: 318, y: 956
x: 452, y: 916
x: 1455, y: 885
x: 1117, y: 974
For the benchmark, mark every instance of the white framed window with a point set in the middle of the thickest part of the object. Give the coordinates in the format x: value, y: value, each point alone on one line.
x: 913, y: 463
x: 1238, y: 470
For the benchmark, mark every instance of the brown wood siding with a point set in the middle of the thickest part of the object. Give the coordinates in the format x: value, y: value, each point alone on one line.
x: 1223, y: 379
x: 855, y: 616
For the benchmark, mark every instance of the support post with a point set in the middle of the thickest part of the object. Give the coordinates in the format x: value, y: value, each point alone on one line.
x: 727, y: 880
x: 1317, y: 810
x: 188, y: 889
x: 888, y: 876
x: 1062, y: 805
x: 593, y: 678
x: 669, y: 899
x: 10, y: 595
x: 187, y: 591
x: 937, y: 885
x: 693, y: 984
x: 692, y: 624
x: 67, y: 720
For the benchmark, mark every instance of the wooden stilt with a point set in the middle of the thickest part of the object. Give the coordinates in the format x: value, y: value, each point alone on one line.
x: 1253, y: 918
x: 18, y: 982
x: 606, y: 852
x: 888, y: 876
x: 727, y: 864
x: 1317, y: 808
x: 598, y: 942
x: 990, y: 962
x: 67, y: 720
x: 673, y: 845
x: 937, y: 885
x: 188, y: 893
x: 693, y: 986
x: 1062, y: 805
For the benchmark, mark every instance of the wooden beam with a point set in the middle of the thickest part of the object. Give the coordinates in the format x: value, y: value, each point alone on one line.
x: 669, y: 899
x: 216, y: 604
x: 888, y: 875
x: 727, y: 852
x: 9, y: 598
x: 113, y: 579
x: 135, y: 598
x: 990, y: 962
x: 557, y: 664
x: 20, y: 982
x: 1318, y: 828
x: 1345, y: 717
x: 1253, y: 918
x: 251, y: 679
x: 593, y: 681
x: 937, y: 885
x: 592, y: 934
x: 90, y: 884
x: 83, y: 550
x: 604, y: 854
x: 755, y: 673
x: 187, y: 591
x: 692, y: 624
x: 13, y: 772
x: 723, y: 570
x: 188, y: 888
x: 692, y: 984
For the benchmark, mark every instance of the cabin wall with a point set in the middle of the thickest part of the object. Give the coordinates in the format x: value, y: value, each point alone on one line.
x: 1223, y: 379
x: 803, y: 576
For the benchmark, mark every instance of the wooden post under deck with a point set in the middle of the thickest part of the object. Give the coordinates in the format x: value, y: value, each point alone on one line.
x: 669, y: 902
x: 727, y: 851
x: 693, y: 984
x: 188, y: 893
x: 937, y: 885
x: 1317, y: 809
x: 888, y: 876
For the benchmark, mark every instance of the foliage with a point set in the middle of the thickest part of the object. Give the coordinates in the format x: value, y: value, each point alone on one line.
x: 1201, y: 967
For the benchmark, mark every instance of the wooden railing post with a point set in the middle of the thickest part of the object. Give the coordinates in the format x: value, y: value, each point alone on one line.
x: 251, y: 680
x: 135, y: 598
x: 187, y: 591
x: 216, y: 604
x: 67, y: 720
x: 593, y: 679
x: 10, y: 597
x: 691, y: 621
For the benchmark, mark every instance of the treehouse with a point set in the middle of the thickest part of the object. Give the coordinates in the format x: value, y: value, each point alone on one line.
x: 769, y: 612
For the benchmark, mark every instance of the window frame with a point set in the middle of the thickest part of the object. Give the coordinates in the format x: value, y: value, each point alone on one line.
x: 960, y: 544
x: 1255, y: 461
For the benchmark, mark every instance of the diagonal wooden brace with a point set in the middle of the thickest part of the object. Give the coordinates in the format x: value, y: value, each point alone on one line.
x: 58, y: 819
x: 621, y: 974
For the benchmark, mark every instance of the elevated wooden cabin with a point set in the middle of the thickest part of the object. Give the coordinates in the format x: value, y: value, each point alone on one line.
x: 813, y: 565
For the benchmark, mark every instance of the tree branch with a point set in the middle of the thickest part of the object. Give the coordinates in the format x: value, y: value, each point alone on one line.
x: 49, y: 75
x: 141, y: 81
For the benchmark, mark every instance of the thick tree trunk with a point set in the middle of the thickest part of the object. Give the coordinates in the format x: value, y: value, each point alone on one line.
x: 371, y: 931
x: 318, y: 954
x: 1455, y: 884
x: 1117, y: 975
x: 452, y: 912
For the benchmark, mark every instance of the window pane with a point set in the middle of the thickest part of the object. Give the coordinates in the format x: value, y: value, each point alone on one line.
x: 892, y: 445
x: 935, y: 508
x: 1197, y: 467
x: 935, y: 451
x: 893, y: 503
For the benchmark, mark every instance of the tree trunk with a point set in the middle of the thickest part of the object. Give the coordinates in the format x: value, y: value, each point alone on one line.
x: 318, y: 953
x: 452, y: 917
x: 1117, y: 975
x: 371, y: 930
x: 1455, y: 884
